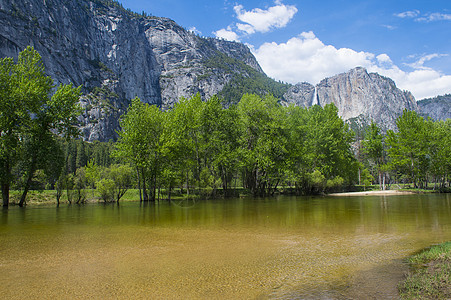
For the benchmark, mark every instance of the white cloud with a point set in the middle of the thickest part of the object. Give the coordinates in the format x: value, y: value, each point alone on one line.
x: 430, y: 17
x: 389, y: 27
x: 419, y: 64
x: 434, y: 17
x: 249, y: 29
x: 260, y: 20
x: 306, y: 58
x: 195, y: 31
x: 227, y: 34
x: 408, y: 14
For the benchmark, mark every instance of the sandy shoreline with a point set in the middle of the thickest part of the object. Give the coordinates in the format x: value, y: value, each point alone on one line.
x: 373, y: 193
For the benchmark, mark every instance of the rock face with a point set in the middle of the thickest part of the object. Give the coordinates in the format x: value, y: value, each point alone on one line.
x: 358, y: 95
x: 301, y: 94
x: 116, y: 55
x: 438, y: 108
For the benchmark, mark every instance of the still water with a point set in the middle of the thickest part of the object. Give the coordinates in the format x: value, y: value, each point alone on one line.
x: 278, y: 248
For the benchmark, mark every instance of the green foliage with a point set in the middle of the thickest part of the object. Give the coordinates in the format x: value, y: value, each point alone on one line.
x: 373, y: 144
x: 366, y: 178
x: 373, y: 149
x: 92, y: 173
x: 201, y: 145
x: 417, y: 152
x: 335, y: 183
x: 262, y: 142
x: 255, y: 83
x: 317, y: 181
x: 245, y: 81
x: 122, y: 176
x: 140, y: 143
x: 29, y: 117
x: 103, y: 6
x: 80, y: 185
x: 408, y: 148
x: 105, y: 187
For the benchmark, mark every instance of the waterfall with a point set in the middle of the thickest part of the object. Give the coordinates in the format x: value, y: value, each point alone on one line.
x: 315, y: 98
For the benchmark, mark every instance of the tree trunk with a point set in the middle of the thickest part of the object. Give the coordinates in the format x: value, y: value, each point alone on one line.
x: 139, y: 185
x: 359, y: 176
x: 380, y: 180
x: 69, y: 197
x: 169, y: 192
x: 29, y: 179
x: 59, y: 192
x: 5, y: 194
x: 154, y: 183
x: 6, y: 181
x: 187, y: 183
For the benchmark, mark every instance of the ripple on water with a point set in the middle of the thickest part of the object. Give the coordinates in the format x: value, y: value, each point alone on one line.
x: 308, y: 249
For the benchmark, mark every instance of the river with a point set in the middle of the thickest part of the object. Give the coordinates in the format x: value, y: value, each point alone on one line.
x: 244, y: 248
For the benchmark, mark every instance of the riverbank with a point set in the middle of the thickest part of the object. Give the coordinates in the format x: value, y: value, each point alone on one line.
x: 430, y: 275
x: 374, y: 193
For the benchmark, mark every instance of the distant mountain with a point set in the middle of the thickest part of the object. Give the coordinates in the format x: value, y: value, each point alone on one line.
x: 116, y: 55
x: 359, y: 96
x: 438, y: 108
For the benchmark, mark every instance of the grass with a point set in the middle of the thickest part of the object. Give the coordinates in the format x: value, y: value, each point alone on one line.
x: 430, y: 275
x: 48, y: 197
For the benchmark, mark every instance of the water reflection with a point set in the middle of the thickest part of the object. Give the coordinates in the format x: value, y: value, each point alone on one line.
x: 285, y: 247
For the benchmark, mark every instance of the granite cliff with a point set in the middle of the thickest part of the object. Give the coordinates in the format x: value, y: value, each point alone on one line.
x: 117, y: 55
x: 438, y: 108
x: 359, y: 96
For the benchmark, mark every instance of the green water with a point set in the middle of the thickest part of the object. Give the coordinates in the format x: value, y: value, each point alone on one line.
x: 278, y: 248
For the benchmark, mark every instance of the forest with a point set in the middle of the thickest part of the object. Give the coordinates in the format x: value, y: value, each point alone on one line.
x: 201, y: 148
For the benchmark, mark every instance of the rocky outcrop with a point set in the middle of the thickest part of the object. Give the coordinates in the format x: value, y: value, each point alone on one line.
x: 438, y: 108
x: 358, y: 95
x: 302, y: 94
x: 117, y: 55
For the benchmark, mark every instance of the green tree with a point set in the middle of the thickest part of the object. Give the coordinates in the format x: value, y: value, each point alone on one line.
x: 298, y: 165
x: 319, y: 147
x: 28, y: 113
x: 82, y: 157
x: 105, y: 187
x: 439, y: 151
x: 140, y: 143
x: 408, y: 148
x: 80, y: 185
x: 220, y: 134
x: 373, y: 147
x: 183, y: 139
x: 262, y: 143
x: 122, y: 176
x: 329, y: 144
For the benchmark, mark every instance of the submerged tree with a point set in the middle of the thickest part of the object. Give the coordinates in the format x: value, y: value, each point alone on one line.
x: 140, y: 144
x: 29, y: 115
x: 262, y: 143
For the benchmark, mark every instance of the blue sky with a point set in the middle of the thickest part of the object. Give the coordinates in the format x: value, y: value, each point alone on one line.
x: 309, y: 40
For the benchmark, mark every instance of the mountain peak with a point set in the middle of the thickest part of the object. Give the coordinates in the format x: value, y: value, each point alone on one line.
x: 358, y: 95
x: 117, y: 55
